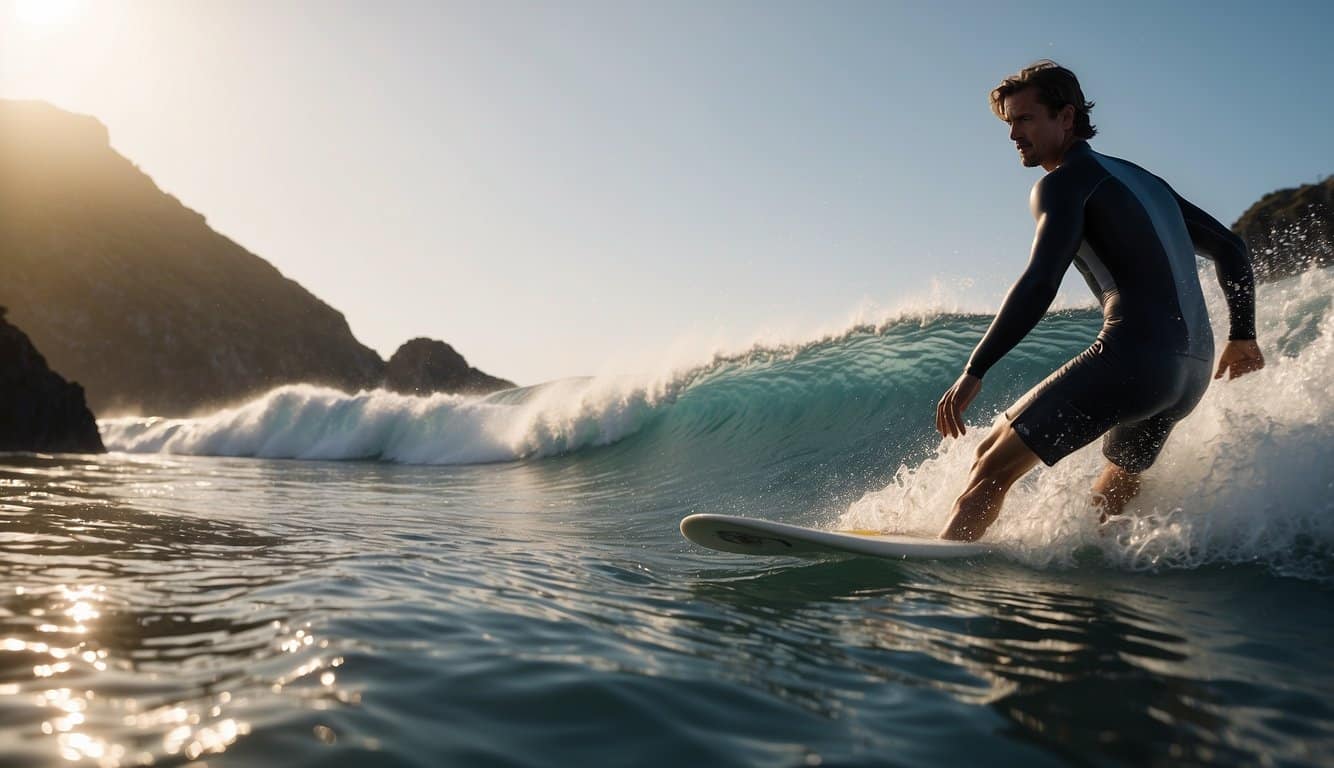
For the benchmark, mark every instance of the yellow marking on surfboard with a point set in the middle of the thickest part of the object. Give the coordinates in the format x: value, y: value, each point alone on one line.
x: 862, y: 532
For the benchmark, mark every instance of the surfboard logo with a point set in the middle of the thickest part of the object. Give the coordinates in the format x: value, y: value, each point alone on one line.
x: 749, y: 539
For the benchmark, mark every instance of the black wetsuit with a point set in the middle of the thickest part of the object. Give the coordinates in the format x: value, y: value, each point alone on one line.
x: 1134, y: 240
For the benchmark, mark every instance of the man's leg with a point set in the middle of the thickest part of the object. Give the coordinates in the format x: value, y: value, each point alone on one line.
x: 1133, y: 447
x: 1002, y: 459
x: 1113, y: 488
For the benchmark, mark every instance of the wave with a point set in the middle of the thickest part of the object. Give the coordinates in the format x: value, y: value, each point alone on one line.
x: 784, y: 389
x: 800, y: 430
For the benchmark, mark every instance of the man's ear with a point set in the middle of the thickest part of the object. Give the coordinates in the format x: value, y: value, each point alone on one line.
x: 1068, y: 117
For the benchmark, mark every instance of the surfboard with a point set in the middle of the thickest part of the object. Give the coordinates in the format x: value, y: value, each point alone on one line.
x: 752, y: 536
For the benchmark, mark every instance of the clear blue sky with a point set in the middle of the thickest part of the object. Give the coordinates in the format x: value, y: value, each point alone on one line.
x: 562, y: 188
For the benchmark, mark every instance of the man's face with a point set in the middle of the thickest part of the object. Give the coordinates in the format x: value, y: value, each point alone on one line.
x: 1039, y: 135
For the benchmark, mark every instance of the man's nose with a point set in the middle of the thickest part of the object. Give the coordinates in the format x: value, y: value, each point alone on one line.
x: 1014, y: 132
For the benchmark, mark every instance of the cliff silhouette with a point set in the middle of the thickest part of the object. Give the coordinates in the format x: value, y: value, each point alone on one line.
x: 131, y: 293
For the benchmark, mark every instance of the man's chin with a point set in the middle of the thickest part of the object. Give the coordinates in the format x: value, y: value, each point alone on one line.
x: 1029, y: 161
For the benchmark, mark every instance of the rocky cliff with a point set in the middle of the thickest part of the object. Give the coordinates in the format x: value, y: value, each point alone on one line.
x: 39, y: 410
x: 128, y: 291
x: 1290, y: 230
x: 424, y: 366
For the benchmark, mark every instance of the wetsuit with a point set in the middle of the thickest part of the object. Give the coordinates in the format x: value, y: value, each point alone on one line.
x: 1134, y: 239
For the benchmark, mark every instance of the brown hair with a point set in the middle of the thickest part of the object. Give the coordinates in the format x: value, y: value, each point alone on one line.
x: 1056, y: 87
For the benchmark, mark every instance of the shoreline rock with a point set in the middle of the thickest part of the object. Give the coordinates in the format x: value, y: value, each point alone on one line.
x: 425, y: 366
x: 39, y: 409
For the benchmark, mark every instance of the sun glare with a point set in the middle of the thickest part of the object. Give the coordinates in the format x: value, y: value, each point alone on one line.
x: 41, y: 13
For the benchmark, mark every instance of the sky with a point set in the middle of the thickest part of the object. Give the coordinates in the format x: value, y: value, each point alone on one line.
x: 561, y: 189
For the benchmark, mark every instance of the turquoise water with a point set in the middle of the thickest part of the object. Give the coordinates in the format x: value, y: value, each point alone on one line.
x: 315, y: 578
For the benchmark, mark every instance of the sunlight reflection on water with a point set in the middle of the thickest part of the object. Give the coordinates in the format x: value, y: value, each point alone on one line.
x: 135, y: 634
x: 254, y: 615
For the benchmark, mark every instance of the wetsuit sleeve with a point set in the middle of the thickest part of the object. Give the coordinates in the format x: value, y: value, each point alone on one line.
x: 1231, y: 262
x: 1060, y: 229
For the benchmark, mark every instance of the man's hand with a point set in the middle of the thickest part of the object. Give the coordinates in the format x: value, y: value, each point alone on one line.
x: 1239, y: 358
x: 949, y: 411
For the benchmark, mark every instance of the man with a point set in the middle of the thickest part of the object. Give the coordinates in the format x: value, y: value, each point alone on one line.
x: 1134, y: 240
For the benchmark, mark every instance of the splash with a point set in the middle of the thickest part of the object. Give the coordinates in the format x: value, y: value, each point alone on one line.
x: 1247, y: 478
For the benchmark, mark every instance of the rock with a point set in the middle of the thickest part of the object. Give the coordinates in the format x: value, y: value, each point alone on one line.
x: 423, y: 366
x: 1290, y: 230
x: 133, y: 294
x: 39, y: 410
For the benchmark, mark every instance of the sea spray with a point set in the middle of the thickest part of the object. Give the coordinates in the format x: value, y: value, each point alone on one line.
x: 1248, y: 477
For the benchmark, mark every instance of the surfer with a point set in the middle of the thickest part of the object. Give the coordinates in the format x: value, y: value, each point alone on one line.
x: 1134, y: 240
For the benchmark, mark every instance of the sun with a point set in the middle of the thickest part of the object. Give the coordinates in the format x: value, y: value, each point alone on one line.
x: 44, y: 13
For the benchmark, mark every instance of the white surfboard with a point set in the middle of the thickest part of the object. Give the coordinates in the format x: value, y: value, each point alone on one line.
x: 750, y: 536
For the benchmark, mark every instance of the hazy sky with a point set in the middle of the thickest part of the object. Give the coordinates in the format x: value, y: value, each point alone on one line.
x: 563, y: 188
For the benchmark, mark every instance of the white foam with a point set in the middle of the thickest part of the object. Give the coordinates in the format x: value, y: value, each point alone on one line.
x: 309, y: 422
x: 1247, y: 477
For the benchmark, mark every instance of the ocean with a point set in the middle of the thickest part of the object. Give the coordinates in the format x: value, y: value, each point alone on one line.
x: 316, y: 578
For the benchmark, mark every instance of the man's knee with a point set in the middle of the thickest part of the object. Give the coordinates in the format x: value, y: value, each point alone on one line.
x: 987, y: 464
x: 989, y: 441
x: 1005, y: 460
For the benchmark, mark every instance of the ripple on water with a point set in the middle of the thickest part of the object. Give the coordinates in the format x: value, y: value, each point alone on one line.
x: 130, y: 636
x: 279, y: 627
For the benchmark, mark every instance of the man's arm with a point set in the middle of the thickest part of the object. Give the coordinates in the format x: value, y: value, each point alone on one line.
x: 1060, y: 215
x: 1231, y: 263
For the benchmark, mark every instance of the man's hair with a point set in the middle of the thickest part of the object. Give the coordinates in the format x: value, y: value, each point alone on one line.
x: 1056, y: 87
